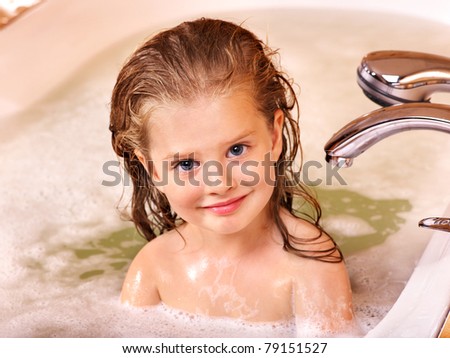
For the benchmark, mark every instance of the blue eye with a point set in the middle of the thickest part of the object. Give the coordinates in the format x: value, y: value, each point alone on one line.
x: 185, y: 165
x: 236, y: 150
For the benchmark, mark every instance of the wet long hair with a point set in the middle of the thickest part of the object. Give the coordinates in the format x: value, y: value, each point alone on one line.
x: 209, y: 57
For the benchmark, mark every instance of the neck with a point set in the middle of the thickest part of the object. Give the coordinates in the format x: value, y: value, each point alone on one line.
x: 233, y: 244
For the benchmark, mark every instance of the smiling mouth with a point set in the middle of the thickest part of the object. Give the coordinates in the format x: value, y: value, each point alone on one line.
x: 226, y: 207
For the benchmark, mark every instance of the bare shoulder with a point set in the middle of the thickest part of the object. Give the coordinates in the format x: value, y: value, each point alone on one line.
x: 153, y: 252
x: 310, y: 240
x: 323, y: 255
x: 140, y: 286
x: 321, y: 284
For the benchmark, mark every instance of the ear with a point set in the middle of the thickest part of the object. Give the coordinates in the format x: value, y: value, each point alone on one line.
x: 150, y: 170
x: 277, y: 134
x: 141, y: 158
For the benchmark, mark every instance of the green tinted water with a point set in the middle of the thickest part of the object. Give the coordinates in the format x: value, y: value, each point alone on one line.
x: 383, y: 216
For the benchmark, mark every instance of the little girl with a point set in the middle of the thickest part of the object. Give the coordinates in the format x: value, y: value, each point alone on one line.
x: 202, y: 118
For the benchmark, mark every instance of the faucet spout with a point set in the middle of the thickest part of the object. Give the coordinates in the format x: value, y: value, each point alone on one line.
x: 367, y: 130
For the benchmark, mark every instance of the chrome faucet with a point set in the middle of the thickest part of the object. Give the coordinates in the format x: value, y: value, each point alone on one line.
x: 392, y: 77
x: 442, y: 224
x: 362, y: 133
x: 404, y: 85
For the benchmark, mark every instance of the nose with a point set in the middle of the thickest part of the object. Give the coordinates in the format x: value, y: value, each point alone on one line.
x: 219, y: 177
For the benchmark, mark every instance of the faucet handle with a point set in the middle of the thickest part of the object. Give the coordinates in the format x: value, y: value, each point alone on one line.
x: 436, y: 223
x: 392, y: 77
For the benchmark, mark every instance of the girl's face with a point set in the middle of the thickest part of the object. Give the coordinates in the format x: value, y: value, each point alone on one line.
x: 214, y: 160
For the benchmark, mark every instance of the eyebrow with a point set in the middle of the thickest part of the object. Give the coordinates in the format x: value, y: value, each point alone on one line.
x: 177, y: 155
x: 236, y: 139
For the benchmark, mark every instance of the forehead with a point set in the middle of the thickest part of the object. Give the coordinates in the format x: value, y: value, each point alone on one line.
x: 204, y: 123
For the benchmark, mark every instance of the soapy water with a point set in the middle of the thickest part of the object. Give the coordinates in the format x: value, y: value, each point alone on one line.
x: 65, y: 250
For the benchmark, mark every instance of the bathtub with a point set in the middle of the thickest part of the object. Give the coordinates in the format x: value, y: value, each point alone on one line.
x: 65, y: 249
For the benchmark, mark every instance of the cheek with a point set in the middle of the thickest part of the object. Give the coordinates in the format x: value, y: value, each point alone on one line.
x: 267, y: 181
x: 259, y: 174
x: 182, y: 195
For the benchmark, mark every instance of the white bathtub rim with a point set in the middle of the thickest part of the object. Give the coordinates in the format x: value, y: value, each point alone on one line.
x: 423, y: 305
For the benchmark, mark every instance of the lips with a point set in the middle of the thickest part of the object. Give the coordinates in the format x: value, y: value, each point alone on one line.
x: 226, y: 207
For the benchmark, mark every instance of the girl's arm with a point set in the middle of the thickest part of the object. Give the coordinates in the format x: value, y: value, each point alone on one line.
x: 140, y: 288
x: 323, y: 301
x: 321, y: 290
